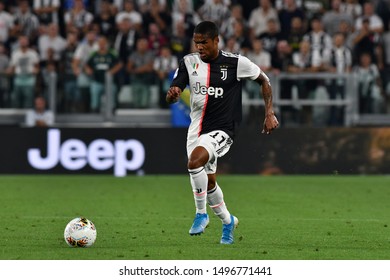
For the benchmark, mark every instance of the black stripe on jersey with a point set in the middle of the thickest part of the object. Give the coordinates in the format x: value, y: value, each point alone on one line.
x: 223, y: 113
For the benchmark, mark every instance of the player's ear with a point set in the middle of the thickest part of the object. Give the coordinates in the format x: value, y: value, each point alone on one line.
x: 216, y: 40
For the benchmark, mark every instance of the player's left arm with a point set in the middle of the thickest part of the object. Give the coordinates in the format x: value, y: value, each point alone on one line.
x: 246, y: 69
x: 270, y: 120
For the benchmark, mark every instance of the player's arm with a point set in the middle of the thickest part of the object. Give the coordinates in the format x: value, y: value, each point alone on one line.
x: 180, y: 81
x: 270, y: 120
x: 173, y: 94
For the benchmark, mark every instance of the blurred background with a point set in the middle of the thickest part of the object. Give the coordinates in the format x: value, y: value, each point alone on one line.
x: 99, y: 70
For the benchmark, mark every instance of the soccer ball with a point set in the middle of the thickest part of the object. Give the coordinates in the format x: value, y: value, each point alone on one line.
x: 80, y: 232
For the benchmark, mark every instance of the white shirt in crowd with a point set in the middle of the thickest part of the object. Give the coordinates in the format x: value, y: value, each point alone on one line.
x: 33, y: 116
x: 6, y: 23
x: 24, y: 62
x: 57, y: 44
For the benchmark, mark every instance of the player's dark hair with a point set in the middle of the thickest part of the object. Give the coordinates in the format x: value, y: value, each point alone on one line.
x: 207, y: 28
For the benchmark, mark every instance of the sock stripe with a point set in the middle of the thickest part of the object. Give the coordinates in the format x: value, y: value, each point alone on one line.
x: 200, y: 194
x: 216, y: 206
x: 213, y: 190
x: 195, y: 171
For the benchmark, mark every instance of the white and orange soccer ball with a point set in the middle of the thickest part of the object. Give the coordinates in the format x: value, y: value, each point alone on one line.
x: 80, y: 232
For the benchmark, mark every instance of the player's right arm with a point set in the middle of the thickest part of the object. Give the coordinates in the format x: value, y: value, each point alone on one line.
x: 180, y: 81
x: 173, y: 95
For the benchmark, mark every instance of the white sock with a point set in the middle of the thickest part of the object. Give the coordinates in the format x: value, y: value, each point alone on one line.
x: 217, y: 204
x: 199, y: 180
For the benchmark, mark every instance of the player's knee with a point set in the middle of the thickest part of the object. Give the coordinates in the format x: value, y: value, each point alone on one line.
x: 194, y: 163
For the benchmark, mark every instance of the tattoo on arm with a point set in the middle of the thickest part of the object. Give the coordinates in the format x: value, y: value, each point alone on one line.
x: 264, y: 82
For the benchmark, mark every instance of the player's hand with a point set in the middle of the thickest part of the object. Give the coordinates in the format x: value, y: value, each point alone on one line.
x: 173, y: 94
x: 270, y: 123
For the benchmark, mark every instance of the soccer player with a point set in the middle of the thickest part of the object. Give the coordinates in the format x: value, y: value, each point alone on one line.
x: 214, y: 78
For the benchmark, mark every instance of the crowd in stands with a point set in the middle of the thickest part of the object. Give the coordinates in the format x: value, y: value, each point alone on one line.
x: 140, y: 43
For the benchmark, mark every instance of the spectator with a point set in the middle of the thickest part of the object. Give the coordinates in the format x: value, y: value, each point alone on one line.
x: 79, y: 18
x: 282, y: 57
x: 338, y: 59
x: 214, y: 10
x: 51, y: 41
x: 47, y: 11
x: 140, y: 67
x: 125, y: 40
x: 98, y: 65
x: 129, y: 12
x: 39, y: 116
x: 144, y: 5
x: 180, y: 43
x: 177, y: 6
x: 155, y: 39
x: 6, y: 24
x: 24, y: 66
x: 376, y: 23
x: 382, y: 9
x: 105, y: 20
x: 352, y: 8
x: 365, y: 40
x: 71, y: 95
x: 236, y: 14
x: 296, y: 34
x: 4, y: 81
x: 346, y: 30
x: 287, y: 13
x: 158, y: 14
x: 26, y: 23
x: 165, y: 65
x: 81, y: 56
x: 370, y: 93
x: 332, y: 19
x: 241, y: 38
x: 182, y: 16
x: 315, y: 8
x: 271, y: 38
x: 125, y: 44
x: 259, y: 17
x: 280, y: 63
x: 305, y: 61
x: 259, y: 56
x: 232, y: 46
x: 317, y: 37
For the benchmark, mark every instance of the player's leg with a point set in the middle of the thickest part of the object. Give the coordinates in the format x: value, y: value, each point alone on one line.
x: 216, y: 201
x: 217, y: 204
x: 198, y: 178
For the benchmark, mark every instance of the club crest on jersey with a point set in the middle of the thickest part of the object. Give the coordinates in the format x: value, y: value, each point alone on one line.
x: 217, y: 92
x: 224, y: 74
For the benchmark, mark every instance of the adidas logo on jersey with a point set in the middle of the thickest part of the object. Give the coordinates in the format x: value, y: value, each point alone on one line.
x: 194, y: 73
x: 213, y: 91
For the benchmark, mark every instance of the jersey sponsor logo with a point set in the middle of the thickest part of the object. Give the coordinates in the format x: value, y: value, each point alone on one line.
x: 224, y: 74
x: 194, y: 73
x: 212, y: 91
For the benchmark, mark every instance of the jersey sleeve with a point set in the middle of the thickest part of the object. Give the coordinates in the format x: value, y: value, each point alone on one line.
x: 180, y: 79
x: 246, y: 69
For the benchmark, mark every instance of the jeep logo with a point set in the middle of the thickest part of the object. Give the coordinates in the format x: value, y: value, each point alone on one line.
x: 216, y: 91
x: 101, y: 154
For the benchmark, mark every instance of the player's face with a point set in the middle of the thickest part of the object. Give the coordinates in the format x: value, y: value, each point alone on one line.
x: 206, y: 46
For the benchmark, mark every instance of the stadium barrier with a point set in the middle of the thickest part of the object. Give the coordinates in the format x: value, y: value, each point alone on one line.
x: 162, y: 117
x: 140, y: 151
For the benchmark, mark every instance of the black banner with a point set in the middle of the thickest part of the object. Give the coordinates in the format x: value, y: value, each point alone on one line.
x: 122, y: 151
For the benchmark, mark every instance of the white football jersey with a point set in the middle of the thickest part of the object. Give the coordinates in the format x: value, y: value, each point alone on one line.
x: 215, y: 90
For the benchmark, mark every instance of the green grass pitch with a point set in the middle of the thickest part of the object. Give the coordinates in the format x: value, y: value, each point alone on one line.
x: 147, y: 218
